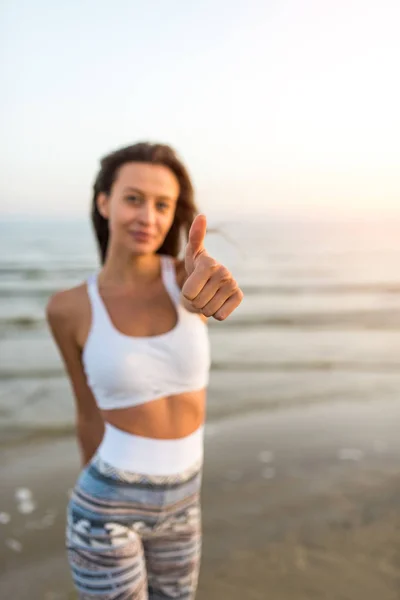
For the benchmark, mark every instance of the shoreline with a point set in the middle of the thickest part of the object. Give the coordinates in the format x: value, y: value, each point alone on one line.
x: 298, y: 503
x: 50, y: 416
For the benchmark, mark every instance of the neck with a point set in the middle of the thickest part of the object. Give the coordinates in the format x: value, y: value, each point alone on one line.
x: 126, y: 269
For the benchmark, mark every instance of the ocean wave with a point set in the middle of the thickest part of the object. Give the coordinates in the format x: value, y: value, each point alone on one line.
x: 30, y: 293
x: 318, y: 365
x: 22, y: 322
x: 349, y: 320
x: 379, y: 319
x: 37, y: 288
x: 27, y: 433
x: 290, y: 289
x: 218, y: 415
x: 240, y: 367
x: 13, y: 374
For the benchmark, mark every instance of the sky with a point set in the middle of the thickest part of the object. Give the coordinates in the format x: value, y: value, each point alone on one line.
x: 276, y: 107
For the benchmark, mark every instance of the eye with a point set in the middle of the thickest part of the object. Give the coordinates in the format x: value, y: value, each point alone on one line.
x: 162, y: 206
x: 133, y: 198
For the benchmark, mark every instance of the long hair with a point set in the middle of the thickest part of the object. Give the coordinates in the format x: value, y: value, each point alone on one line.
x: 157, y: 154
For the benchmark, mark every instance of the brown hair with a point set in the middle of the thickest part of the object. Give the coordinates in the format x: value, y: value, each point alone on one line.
x: 158, y: 154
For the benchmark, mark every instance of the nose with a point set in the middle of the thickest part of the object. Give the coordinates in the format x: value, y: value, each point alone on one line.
x: 147, y: 214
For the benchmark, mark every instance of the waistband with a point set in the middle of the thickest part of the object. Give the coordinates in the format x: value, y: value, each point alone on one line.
x: 137, y: 455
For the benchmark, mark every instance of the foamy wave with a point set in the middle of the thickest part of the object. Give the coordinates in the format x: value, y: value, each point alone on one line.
x: 379, y: 319
x: 22, y: 322
x: 25, y: 433
x: 382, y: 319
x: 322, y: 289
x: 35, y: 285
x: 326, y: 365
x: 363, y: 319
x: 219, y: 415
x: 248, y: 367
x: 32, y: 374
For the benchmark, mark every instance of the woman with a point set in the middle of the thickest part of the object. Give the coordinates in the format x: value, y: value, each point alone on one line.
x: 134, y: 341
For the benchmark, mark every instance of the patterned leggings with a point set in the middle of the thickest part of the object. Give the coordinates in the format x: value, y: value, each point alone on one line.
x: 134, y: 537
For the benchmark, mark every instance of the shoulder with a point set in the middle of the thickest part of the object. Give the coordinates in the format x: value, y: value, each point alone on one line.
x: 64, y: 306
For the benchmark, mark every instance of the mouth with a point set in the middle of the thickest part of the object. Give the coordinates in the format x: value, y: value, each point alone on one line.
x: 141, y: 236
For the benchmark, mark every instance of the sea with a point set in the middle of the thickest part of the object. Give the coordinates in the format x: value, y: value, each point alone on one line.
x: 319, y: 322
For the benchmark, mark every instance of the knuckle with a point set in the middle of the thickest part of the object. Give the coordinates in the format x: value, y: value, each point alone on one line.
x: 197, y: 302
x: 233, y: 286
x: 187, y: 296
x: 224, y: 273
x: 212, y: 263
x: 209, y: 264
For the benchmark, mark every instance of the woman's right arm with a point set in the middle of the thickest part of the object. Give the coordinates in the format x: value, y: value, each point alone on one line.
x: 61, y: 317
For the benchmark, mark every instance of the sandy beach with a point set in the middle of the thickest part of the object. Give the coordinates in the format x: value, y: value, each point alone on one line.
x: 298, y: 504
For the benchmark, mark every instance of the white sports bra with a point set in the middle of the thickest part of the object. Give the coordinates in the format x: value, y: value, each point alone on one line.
x: 125, y: 370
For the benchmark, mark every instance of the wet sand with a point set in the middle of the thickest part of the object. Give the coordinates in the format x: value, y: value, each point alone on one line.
x: 298, y: 504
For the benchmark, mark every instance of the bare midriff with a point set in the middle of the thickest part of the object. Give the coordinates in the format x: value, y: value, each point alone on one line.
x: 168, y: 418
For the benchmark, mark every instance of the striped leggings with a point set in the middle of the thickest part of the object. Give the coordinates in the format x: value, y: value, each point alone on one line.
x: 134, y: 537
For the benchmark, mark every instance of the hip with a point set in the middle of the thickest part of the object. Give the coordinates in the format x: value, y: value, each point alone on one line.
x: 104, y: 493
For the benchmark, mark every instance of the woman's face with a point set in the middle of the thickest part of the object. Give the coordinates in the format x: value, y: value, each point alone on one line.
x: 141, y: 206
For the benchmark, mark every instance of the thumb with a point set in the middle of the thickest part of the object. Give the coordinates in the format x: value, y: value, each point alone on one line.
x: 197, y: 235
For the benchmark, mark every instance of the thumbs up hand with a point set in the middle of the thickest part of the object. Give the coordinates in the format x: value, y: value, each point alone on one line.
x: 209, y: 288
